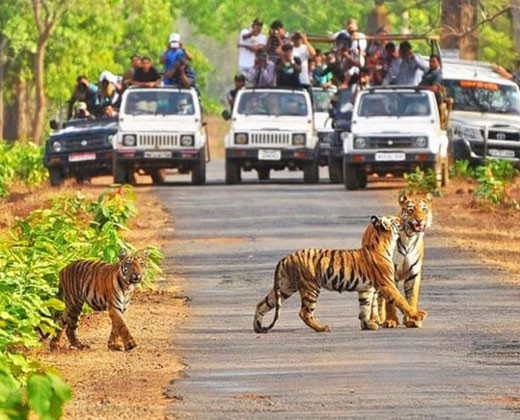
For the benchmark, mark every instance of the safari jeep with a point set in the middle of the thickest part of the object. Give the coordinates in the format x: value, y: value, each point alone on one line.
x: 485, y: 119
x: 271, y: 129
x: 394, y: 130
x: 80, y: 148
x: 160, y: 128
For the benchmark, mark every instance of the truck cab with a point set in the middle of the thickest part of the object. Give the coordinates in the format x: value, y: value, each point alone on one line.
x: 394, y: 130
x: 272, y: 129
x: 160, y: 128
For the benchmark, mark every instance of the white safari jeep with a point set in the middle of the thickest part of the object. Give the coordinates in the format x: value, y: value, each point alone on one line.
x: 160, y: 128
x: 271, y: 128
x: 393, y: 131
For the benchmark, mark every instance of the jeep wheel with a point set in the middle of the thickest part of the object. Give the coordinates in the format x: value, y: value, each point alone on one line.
x: 263, y: 174
x: 350, y: 177
x: 198, y: 171
x: 55, y: 177
x: 362, y: 178
x: 311, y: 174
x: 121, y: 173
x: 158, y: 176
x: 335, y: 170
x: 232, y: 172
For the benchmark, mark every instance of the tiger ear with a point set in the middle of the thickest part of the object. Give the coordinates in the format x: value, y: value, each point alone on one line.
x: 122, y: 253
x: 429, y: 197
x: 375, y: 220
x: 402, y: 199
x: 146, y: 252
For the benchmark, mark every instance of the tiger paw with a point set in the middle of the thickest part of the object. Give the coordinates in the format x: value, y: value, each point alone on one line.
x: 79, y: 345
x: 369, y: 325
x: 131, y: 345
x: 391, y: 323
x: 410, y: 323
x: 420, y: 315
x: 322, y: 328
x: 115, y: 346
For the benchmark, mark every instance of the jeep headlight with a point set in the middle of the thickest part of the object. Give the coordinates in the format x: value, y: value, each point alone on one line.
x: 360, y: 143
x: 241, y: 138
x: 187, y: 141
x: 468, y: 133
x: 129, y: 140
x: 298, y: 139
x: 421, y: 142
x: 57, y: 146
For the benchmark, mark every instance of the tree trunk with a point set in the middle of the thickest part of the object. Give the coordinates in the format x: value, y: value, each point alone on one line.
x: 41, y: 104
x: 458, y: 16
x: 22, y: 114
x: 377, y: 18
x: 3, y: 44
x: 468, y: 18
x: 515, y: 17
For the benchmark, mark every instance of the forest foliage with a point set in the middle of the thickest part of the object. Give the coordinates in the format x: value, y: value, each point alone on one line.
x: 87, y: 39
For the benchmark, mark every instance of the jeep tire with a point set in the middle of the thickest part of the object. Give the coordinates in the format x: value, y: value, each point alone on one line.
x: 232, y: 172
x: 311, y: 174
x: 198, y: 170
x: 335, y: 170
x: 350, y: 176
x: 56, y: 176
x: 121, y: 173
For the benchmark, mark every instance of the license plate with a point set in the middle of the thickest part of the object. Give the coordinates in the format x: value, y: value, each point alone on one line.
x: 394, y: 157
x: 79, y: 157
x: 158, y: 154
x: 266, y: 154
x: 502, y: 153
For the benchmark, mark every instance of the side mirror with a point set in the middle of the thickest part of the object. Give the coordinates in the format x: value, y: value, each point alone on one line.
x: 226, y: 115
x: 54, y: 124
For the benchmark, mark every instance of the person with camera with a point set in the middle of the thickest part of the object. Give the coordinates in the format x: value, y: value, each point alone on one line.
x: 303, y: 49
x: 288, y: 68
x: 181, y: 74
x: 277, y: 38
x: 250, y: 41
x: 174, y: 52
x: 263, y: 72
x: 86, y: 92
x: 146, y: 75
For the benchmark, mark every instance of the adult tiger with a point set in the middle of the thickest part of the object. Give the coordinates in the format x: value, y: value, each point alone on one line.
x: 408, y: 258
x: 364, y: 270
x: 102, y: 286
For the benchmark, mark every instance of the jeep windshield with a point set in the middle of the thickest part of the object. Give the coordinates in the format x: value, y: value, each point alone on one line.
x: 394, y: 104
x: 159, y: 103
x: 273, y: 104
x: 321, y: 99
x: 471, y: 95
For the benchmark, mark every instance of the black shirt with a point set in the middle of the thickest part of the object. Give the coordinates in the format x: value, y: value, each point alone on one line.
x: 151, y: 76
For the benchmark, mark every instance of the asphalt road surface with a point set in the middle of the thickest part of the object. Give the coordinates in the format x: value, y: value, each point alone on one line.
x: 463, y: 364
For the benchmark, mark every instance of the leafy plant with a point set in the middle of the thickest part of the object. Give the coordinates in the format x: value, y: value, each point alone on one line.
x: 462, y: 169
x: 493, y: 179
x: 421, y: 182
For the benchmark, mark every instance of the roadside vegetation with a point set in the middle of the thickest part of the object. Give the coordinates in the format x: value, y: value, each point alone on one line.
x: 32, y: 252
x: 490, y: 183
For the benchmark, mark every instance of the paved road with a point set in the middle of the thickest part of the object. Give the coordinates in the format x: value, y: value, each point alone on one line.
x: 464, y: 363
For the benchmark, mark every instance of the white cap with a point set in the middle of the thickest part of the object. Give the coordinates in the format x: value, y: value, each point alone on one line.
x: 174, y: 40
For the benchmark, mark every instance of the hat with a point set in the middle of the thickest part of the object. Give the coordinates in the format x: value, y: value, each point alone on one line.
x: 174, y: 40
x: 81, y: 106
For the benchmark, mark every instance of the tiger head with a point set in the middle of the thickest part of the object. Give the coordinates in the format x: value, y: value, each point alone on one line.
x: 392, y: 225
x: 416, y: 213
x: 133, y: 267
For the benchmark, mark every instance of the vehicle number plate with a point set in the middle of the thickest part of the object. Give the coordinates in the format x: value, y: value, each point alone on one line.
x: 267, y: 154
x: 158, y: 154
x: 502, y: 153
x: 394, y: 157
x: 79, y: 157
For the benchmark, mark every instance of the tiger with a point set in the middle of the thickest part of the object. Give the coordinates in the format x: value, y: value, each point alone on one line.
x: 408, y: 258
x: 103, y: 287
x: 364, y: 270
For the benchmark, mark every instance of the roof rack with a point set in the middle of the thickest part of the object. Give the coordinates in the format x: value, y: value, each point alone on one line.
x: 373, y: 89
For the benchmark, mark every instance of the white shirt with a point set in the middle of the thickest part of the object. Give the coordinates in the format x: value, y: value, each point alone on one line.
x: 303, y: 53
x: 246, y: 58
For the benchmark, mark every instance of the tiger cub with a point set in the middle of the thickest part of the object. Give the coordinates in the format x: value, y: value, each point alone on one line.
x: 408, y: 258
x: 364, y: 270
x: 102, y: 286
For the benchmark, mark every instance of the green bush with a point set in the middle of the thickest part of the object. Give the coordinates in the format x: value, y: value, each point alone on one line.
x: 31, y: 257
x: 421, y: 182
